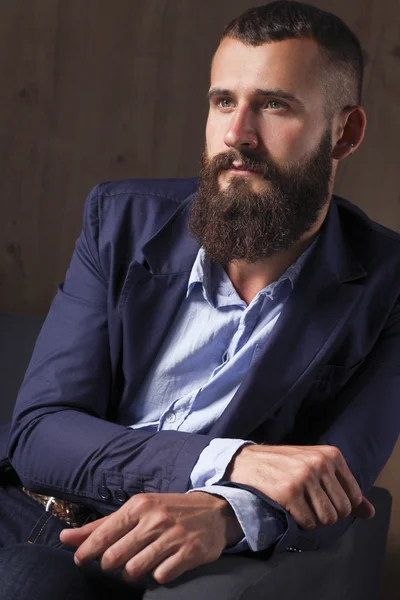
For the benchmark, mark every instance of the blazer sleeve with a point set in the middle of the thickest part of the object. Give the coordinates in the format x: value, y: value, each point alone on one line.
x: 61, y: 442
x: 365, y: 428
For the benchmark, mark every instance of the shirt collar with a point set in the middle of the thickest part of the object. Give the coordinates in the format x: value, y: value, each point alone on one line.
x: 212, y: 276
x: 201, y: 273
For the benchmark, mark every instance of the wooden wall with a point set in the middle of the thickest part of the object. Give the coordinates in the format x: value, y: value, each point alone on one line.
x: 98, y: 89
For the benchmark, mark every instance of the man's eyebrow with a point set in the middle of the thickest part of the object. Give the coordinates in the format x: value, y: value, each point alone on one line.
x: 277, y: 93
x: 218, y: 92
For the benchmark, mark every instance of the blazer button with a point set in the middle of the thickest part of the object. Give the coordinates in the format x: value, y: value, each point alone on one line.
x: 104, y: 492
x: 120, y: 495
x: 261, y: 538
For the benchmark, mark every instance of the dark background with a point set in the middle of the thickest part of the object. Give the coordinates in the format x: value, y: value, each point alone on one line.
x: 93, y: 90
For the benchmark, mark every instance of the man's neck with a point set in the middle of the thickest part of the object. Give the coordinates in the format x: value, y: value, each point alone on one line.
x: 249, y: 279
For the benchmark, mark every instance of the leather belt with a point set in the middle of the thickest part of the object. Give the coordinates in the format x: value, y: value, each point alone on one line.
x: 72, y: 514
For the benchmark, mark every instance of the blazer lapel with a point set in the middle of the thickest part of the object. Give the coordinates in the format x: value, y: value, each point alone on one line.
x: 324, y: 297
x: 151, y: 297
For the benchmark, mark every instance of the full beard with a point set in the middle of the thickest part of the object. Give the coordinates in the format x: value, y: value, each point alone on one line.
x: 240, y: 224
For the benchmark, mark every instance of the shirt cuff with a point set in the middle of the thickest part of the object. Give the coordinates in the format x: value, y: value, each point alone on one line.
x: 214, y: 460
x: 261, y: 524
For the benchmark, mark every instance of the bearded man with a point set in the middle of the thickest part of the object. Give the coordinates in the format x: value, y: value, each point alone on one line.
x: 219, y: 371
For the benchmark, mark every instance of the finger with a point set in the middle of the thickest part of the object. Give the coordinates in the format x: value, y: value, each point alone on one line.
x: 337, y: 496
x: 129, y: 546
x: 175, y: 565
x: 302, y: 513
x: 348, y: 483
x: 154, y: 525
x: 77, y: 535
x: 146, y: 560
x: 112, y: 529
x: 365, y: 510
x: 321, y: 505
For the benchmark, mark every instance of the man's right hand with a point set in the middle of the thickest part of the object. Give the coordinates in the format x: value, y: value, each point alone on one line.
x: 313, y: 483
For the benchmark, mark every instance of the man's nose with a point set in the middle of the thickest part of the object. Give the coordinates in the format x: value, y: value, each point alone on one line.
x: 241, y: 132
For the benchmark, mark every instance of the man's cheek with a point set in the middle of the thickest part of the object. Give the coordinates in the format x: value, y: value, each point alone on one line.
x: 215, y: 135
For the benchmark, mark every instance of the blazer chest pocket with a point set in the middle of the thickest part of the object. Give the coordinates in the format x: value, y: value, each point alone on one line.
x: 329, y: 379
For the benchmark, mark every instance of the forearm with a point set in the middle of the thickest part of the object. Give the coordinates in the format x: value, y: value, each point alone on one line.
x: 261, y: 525
x: 88, y: 460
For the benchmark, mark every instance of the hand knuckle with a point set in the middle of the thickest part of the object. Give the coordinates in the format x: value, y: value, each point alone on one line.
x: 194, y: 548
x: 329, y: 518
x: 131, y: 571
x: 109, y: 558
x: 101, y: 537
x: 295, y: 486
x: 357, y: 498
x: 319, y: 462
x: 141, y: 502
x: 308, y: 523
x: 305, y: 473
x: 179, y: 531
x: 129, y: 516
x: 162, y: 577
x: 345, y: 510
x: 334, y: 454
x: 161, y: 518
x: 190, y: 548
x: 140, y: 505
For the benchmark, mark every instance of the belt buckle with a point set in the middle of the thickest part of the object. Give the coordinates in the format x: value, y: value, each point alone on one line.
x: 66, y: 511
x: 50, y: 502
x: 63, y: 510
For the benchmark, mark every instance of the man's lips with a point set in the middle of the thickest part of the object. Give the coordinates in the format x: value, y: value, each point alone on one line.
x: 242, y: 172
x: 239, y: 169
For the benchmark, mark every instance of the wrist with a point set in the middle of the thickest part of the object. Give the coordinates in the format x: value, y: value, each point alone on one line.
x: 225, y: 517
x: 233, y: 531
x: 234, y: 471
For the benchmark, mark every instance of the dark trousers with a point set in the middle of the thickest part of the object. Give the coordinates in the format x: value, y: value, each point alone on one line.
x: 35, y: 565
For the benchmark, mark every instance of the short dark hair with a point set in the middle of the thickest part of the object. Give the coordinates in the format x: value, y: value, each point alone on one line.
x: 285, y: 19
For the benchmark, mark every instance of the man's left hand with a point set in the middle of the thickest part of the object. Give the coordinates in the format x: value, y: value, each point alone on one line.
x: 165, y: 534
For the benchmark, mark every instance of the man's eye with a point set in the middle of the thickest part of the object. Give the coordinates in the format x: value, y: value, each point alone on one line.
x: 224, y: 103
x: 275, y: 104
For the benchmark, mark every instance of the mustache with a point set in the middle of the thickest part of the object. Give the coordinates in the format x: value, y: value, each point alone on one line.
x: 249, y: 162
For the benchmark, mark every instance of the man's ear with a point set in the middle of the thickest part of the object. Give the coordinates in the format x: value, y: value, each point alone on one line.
x: 349, y: 131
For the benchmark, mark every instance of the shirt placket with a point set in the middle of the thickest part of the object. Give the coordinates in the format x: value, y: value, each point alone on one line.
x: 246, y: 326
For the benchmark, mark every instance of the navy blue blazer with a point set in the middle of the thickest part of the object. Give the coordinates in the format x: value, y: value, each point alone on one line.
x: 329, y: 375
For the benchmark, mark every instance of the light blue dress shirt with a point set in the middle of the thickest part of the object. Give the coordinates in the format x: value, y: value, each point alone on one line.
x: 213, y: 342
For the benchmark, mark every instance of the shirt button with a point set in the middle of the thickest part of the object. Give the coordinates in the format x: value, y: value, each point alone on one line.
x: 170, y: 417
x: 104, y: 492
x: 262, y: 538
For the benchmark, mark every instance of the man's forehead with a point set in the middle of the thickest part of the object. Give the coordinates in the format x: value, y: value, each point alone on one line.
x: 293, y: 63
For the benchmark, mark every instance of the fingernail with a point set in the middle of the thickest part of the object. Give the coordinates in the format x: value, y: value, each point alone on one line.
x: 77, y: 562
